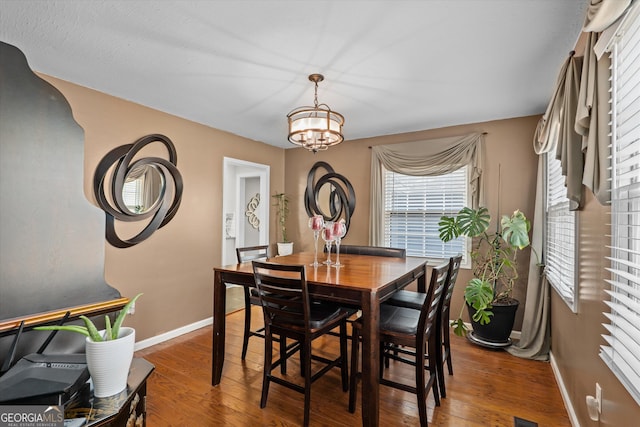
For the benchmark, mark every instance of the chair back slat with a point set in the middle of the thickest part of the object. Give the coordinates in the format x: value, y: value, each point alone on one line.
x: 249, y: 253
x: 431, y: 307
x: 283, y: 293
x: 452, y: 276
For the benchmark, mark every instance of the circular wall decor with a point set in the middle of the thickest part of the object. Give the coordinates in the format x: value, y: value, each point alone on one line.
x: 140, y: 188
x: 330, y: 195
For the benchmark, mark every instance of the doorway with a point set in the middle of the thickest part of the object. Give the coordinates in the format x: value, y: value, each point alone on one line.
x: 245, y: 213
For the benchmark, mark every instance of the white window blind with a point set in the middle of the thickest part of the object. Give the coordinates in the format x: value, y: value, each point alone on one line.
x: 622, y: 349
x: 560, y: 248
x: 413, y: 207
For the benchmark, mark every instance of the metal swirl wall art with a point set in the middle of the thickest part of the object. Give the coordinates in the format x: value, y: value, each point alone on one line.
x: 144, y: 188
x: 331, y: 195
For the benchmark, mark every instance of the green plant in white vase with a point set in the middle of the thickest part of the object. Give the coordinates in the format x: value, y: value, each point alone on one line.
x: 109, y: 352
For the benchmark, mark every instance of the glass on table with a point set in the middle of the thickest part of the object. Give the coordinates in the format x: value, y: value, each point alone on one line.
x: 316, y: 223
x: 339, y: 230
x: 327, y: 236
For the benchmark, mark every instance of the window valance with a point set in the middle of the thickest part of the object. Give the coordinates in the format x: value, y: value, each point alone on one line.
x: 424, y: 158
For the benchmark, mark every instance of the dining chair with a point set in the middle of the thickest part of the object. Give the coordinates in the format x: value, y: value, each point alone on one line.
x: 414, y: 300
x: 371, y: 250
x: 410, y: 329
x: 246, y: 254
x: 290, y: 314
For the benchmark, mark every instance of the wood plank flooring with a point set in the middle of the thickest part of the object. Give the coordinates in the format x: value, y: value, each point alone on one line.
x: 488, y: 388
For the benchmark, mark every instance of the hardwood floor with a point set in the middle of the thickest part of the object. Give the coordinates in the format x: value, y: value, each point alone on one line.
x: 488, y: 388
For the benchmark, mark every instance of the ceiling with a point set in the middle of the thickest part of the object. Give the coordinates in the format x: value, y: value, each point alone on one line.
x: 240, y: 66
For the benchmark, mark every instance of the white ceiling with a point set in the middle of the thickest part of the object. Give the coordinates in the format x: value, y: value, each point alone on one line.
x: 241, y: 66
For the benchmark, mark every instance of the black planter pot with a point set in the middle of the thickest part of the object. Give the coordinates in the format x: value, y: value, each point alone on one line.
x: 495, y: 334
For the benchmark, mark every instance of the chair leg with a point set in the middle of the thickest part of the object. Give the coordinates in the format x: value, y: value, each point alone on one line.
x: 307, y: 381
x: 247, y: 322
x: 353, y: 378
x: 439, y: 365
x: 283, y: 355
x: 421, y: 387
x: 447, y: 349
x: 344, y: 369
x: 266, y: 373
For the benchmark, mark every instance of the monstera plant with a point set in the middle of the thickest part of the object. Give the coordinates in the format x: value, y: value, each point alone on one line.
x: 494, y: 260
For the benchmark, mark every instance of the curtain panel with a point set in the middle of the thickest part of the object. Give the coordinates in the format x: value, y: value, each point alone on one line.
x: 423, y: 158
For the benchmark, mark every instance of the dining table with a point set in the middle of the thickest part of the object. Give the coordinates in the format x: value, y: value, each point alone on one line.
x: 362, y: 281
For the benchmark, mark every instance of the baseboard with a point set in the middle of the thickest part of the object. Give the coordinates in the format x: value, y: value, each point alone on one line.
x: 173, y: 334
x: 563, y: 391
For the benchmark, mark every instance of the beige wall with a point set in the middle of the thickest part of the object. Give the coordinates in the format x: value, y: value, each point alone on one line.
x: 576, y: 337
x: 508, y: 144
x: 174, y: 266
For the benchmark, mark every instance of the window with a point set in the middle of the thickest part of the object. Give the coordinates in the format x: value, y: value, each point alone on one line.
x: 413, y: 206
x: 560, y: 250
x: 622, y: 349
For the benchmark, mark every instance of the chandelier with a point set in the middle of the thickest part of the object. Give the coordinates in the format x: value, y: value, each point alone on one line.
x: 315, y: 128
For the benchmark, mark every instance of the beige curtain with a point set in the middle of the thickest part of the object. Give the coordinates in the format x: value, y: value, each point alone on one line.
x: 592, y: 118
x: 602, y: 13
x: 557, y: 129
x: 423, y: 158
x: 535, y: 337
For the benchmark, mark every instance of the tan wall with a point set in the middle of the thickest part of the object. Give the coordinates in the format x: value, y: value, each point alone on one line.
x: 576, y: 337
x: 174, y: 266
x: 508, y: 143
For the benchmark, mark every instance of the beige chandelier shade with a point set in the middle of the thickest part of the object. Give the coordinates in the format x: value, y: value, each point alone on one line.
x: 315, y: 128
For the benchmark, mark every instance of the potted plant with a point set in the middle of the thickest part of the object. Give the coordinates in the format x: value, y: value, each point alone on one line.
x: 489, y: 294
x: 109, y: 351
x: 285, y: 247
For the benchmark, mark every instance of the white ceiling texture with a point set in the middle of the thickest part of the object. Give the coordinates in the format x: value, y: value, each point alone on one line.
x: 241, y: 66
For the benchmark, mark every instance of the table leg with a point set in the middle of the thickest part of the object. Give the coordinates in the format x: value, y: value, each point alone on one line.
x: 219, y: 307
x: 370, y: 359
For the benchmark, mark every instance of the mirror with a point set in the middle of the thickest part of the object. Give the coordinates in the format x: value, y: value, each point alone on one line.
x: 147, y: 189
x: 328, y: 201
x: 142, y: 188
x: 330, y: 195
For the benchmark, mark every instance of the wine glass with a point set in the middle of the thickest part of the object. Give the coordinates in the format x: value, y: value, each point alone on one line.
x: 339, y: 230
x: 327, y: 236
x: 316, y: 223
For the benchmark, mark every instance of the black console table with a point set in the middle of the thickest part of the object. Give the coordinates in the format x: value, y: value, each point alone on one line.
x: 127, y: 409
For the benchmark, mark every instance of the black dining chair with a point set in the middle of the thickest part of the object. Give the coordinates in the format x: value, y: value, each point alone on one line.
x: 289, y: 313
x: 402, y: 329
x: 371, y: 250
x: 246, y: 254
x: 412, y: 299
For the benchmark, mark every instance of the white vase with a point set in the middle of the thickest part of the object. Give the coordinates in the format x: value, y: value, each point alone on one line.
x: 285, y: 248
x: 109, y: 362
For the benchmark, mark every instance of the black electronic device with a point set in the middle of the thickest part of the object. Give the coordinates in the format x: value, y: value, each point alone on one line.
x: 44, y: 379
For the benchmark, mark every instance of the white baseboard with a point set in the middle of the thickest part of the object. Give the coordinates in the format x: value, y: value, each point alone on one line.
x: 172, y: 334
x: 563, y: 392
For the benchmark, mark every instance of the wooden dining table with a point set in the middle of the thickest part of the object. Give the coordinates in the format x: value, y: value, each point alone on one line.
x: 362, y: 280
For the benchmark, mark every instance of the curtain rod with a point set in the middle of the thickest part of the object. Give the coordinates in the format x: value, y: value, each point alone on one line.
x: 484, y: 133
